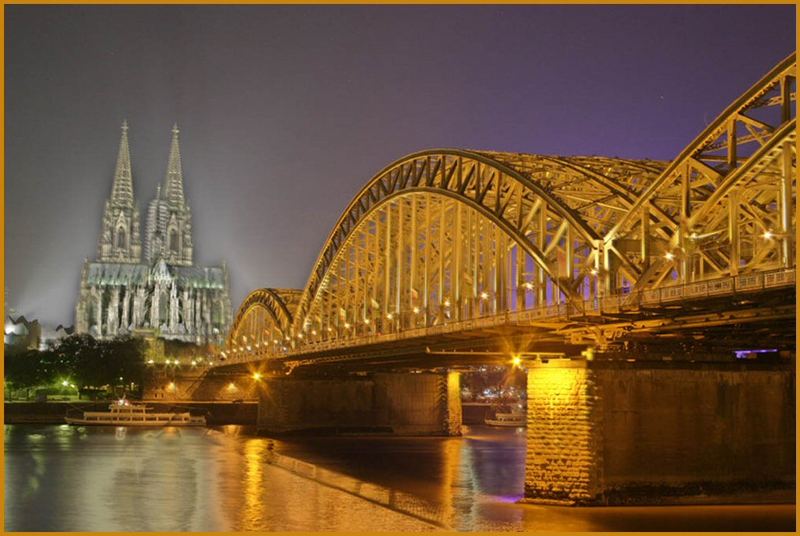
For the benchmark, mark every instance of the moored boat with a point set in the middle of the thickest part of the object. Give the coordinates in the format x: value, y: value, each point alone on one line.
x: 125, y: 413
x: 513, y: 419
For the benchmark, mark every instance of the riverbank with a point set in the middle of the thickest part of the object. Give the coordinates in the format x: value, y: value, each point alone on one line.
x: 216, y: 413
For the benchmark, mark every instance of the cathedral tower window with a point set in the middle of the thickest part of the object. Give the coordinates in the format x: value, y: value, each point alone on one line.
x: 122, y: 242
x: 174, y: 246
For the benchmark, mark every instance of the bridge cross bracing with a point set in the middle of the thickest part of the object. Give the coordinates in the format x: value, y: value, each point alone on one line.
x: 451, y: 240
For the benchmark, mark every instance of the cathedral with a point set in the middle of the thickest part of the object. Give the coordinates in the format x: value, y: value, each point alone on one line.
x: 152, y: 288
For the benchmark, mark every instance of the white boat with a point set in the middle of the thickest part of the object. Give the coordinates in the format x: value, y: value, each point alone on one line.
x: 514, y: 419
x: 125, y: 413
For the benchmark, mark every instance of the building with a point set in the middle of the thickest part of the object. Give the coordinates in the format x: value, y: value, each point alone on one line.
x: 152, y: 287
x: 22, y: 333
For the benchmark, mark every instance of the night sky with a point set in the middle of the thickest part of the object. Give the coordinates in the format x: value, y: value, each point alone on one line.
x: 285, y: 112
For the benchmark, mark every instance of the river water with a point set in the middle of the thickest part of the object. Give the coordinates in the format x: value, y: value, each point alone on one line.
x: 62, y: 478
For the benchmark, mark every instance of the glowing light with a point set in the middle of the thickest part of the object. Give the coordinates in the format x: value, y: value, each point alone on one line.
x: 299, y: 335
x: 484, y: 295
x: 65, y: 383
x: 768, y: 235
x: 256, y: 376
x: 416, y: 310
x: 389, y: 316
x: 150, y: 361
x: 231, y: 386
x: 366, y: 321
x: 528, y: 285
x: 347, y: 325
x: 171, y: 386
x: 194, y: 363
x: 593, y: 271
x: 669, y: 255
x: 275, y: 341
x: 313, y: 331
x: 446, y: 303
x: 516, y: 360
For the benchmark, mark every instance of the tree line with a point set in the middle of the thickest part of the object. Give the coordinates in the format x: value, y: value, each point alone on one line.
x: 80, y: 360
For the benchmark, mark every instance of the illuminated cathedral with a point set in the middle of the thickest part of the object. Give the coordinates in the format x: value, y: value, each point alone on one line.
x: 152, y: 287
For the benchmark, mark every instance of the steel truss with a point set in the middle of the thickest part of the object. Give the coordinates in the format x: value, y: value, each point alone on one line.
x: 448, y: 235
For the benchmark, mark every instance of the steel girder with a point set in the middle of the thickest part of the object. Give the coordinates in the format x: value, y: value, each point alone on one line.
x: 449, y: 234
x: 263, y: 322
x: 453, y: 234
x: 728, y: 197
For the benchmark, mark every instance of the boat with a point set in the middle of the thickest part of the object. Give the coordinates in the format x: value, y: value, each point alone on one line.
x: 125, y: 413
x: 515, y: 418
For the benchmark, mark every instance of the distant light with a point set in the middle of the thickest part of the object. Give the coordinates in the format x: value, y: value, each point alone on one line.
x: 313, y: 331
x: 366, y: 321
x: 150, y: 361
x: 669, y: 255
x: 275, y: 341
x: 516, y: 360
x: 65, y: 383
x: 768, y: 235
x: 484, y: 295
x: 194, y: 363
x: 416, y: 310
x: 593, y: 271
x: 256, y: 376
x: 389, y: 316
x: 347, y: 325
x: 231, y: 386
x: 528, y: 285
x: 446, y: 303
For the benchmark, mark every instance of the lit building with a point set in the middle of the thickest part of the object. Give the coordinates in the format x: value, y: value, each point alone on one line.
x: 152, y: 286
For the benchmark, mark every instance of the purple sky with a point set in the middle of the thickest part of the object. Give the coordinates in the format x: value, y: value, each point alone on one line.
x: 285, y: 112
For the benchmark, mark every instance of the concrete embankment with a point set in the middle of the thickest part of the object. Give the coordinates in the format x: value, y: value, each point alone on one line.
x: 216, y: 413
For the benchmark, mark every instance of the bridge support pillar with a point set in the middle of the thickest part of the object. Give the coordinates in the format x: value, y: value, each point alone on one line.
x: 611, y: 432
x: 400, y: 403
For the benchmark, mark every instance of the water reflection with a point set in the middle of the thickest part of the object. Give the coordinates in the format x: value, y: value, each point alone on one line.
x: 254, y: 453
x: 60, y: 478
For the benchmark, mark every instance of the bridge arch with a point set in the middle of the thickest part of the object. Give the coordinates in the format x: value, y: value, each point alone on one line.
x: 545, y: 217
x: 262, y: 324
x: 729, y: 195
x: 452, y: 235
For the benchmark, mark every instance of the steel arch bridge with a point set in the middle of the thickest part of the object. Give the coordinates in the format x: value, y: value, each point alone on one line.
x: 449, y: 239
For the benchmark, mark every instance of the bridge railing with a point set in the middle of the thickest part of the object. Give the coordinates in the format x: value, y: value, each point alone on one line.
x: 597, y: 307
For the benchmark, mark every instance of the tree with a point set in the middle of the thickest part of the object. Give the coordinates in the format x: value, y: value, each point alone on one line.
x: 80, y: 359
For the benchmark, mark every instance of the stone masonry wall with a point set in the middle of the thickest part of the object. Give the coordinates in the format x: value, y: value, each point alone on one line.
x: 564, y: 458
x: 668, y: 428
x: 406, y: 404
x: 616, y: 432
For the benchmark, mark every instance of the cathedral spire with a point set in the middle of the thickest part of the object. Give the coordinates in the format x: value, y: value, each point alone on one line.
x: 173, y: 187
x: 122, y: 190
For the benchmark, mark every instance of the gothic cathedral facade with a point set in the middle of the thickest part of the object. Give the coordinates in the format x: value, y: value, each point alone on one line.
x: 152, y: 287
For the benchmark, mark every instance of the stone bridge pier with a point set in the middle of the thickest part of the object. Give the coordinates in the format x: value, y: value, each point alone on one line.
x: 638, y: 432
x: 400, y: 403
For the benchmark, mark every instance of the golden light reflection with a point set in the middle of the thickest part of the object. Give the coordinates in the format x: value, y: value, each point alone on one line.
x: 253, y: 513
